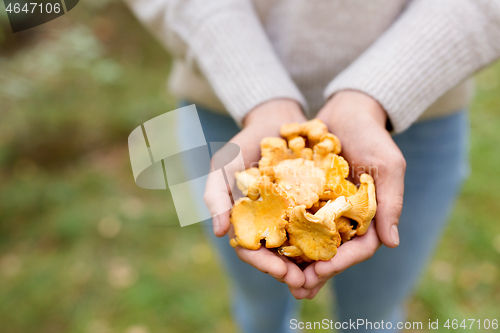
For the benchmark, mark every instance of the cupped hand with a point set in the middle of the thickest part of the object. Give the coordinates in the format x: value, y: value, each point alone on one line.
x: 359, y: 122
x: 263, y: 121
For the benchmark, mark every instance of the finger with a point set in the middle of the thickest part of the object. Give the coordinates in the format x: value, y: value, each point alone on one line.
x: 249, y: 143
x: 350, y: 253
x: 221, y: 224
x: 294, y: 276
x: 230, y: 159
x: 218, y: 201
x: 300, y: 293
x: 312, y: 278
x: 316, y: 290
x: 390, y: 190
x: 224, y: 164
x: 264, y: 260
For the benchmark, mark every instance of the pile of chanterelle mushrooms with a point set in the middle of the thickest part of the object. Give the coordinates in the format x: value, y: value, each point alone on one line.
x: 299, y: 200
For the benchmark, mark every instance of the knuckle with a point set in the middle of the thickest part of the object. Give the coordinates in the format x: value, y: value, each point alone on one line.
x: 391, y: 162
x: 397, y: 207
x: 382, y: 166
x: 399, y: 162
x: 398, y: 201
x: 395, y: 159
x: 208, y: 198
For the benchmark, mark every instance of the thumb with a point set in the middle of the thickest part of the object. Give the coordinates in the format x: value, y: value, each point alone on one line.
x: 390, y: 191
x: 221, y: 224
x: 218, y: 201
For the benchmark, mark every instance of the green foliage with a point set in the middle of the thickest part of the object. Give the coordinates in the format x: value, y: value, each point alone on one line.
x: 82, y: 249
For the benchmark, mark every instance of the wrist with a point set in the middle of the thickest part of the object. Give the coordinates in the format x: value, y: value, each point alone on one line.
x: 352, y: 105
x: 276, y: 111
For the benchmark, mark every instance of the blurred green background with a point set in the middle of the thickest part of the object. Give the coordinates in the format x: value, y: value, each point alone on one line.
x: 83, y: 249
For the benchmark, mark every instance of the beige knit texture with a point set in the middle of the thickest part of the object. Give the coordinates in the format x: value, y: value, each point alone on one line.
x: 432, y: 47
x: 412, y: 56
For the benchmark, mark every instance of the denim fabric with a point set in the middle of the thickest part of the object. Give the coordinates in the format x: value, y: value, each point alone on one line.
x: 375, y: 290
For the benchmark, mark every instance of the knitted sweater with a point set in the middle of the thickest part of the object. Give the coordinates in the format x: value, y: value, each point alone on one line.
x: 412, y: 56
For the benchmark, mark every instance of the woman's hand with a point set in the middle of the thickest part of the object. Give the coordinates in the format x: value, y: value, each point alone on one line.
x: 263, y: 121
x: 359, y: 122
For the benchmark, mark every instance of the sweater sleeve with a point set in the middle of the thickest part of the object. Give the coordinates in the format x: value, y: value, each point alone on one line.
x: 432, y: 47
x: 229, y: 45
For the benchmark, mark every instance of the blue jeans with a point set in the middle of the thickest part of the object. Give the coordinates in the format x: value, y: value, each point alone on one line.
x: 436, y: 156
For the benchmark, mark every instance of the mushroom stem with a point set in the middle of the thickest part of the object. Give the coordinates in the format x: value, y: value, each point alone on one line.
x: 333, y: 210
x: 344, y: 227
x: 290, y: 251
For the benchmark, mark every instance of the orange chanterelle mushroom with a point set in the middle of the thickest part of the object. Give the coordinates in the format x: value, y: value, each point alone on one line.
x: 262, y: 218
x: 364, y: 204
x: 315, y: 236
x: 299, y: 199
x: 300, y: 179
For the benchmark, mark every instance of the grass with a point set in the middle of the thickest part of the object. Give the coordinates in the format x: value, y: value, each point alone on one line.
x: 82, y: 249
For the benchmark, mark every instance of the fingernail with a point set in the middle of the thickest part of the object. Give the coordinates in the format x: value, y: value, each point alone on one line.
x: 216, y: 224
x: 395, y: 234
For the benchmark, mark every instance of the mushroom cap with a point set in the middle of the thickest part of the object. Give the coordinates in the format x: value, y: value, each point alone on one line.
x: 343, y: 187
x: 254, y: 220
x: 336, y: 170
x: 301, y: 180
x: 273, y: 151
x: 364, y: 204
x: 331, y: 163
x: 329, y: 143
x: 246, y: 179
x: 314, y: 130
x: 307, y: 154
x: 298, y: 146
x: 308, y: 234
x: 290, y: 131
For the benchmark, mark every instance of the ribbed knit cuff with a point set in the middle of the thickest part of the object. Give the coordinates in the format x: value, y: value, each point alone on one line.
x: 430, y: 49
x: 233, y: 52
